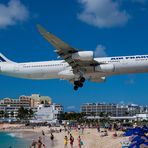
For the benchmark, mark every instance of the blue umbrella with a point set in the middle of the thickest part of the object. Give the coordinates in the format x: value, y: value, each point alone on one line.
x: 137, y: 130
x: 138, y: 137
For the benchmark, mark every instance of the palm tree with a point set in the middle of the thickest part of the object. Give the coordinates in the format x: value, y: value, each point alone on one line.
x: 2, y: 113
x: 30, y: 113
x: 22, y: 113
x: 101, y: 114
x: 12, y: 114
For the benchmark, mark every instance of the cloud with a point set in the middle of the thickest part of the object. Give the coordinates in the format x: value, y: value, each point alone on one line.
x: 12, y: 13
x: 100, y: 51
x: 71, y: 108
x: 102, y: 13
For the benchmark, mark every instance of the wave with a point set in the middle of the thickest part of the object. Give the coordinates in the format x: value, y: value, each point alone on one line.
x: 11, y: 134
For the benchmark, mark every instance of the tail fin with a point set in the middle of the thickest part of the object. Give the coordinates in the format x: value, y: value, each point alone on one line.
x: 4, y: 59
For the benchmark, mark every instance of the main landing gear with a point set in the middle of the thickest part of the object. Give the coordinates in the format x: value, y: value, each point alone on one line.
x: 79, y: 83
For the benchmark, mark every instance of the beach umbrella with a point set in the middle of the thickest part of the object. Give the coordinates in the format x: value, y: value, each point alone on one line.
x: 145, y: 129
x: 129, y: 132
x: 138, y: 141
x: 136, y: 131
x: 138, y: 137
x: 136, y: 145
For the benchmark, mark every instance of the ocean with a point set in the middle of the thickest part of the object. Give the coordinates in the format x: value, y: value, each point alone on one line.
x: 9, y: 140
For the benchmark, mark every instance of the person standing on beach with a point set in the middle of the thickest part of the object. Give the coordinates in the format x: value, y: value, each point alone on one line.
x: 80, y: 142
x: 43, y: 133
x: 39, y: 143
x: 52, y: 138
x: 65, y: 141
x: 33, y: 145
x: 71, y: 140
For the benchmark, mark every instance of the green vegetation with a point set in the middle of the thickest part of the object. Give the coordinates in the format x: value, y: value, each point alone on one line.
x: 79, y: 117
x: 2, y: 113
x: 24, y: 114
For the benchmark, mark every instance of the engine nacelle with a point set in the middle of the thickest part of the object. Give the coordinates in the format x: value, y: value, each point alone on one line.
x: 66, y: 74
x: 105, y: 68
x: 100, y: 79
x: 83, y: 55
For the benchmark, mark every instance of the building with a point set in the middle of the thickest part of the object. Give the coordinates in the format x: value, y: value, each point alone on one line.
x: 37, y: 99
x: 134, y: 109
x: 97, y: 109
x: 49, y: 113
x: 11, y: 106
x: 113, y: 110
x: 141, y: 117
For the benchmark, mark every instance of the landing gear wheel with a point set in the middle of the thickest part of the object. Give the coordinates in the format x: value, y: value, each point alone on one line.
x: 76, y: 82
x: 82, y: 79
x: 75, y: 87
x: 80, y: 84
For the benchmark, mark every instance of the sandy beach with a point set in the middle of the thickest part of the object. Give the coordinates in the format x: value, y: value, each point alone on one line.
x: 90, y: 137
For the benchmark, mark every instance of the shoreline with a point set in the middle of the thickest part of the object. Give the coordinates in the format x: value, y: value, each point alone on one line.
x: 91, y: 138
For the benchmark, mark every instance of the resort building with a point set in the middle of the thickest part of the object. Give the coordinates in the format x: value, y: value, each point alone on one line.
x: 11, y: 106
x: 114, y: 110
x: 98, y: 109
x: 49, y: 112
x: 36, y: 99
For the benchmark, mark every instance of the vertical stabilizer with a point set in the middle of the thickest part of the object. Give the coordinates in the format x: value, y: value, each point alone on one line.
x: 4, y: 59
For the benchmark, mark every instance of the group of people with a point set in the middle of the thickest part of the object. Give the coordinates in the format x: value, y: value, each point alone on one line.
x: 39, y: 143
x: 68, y: 140
x: 71, y: 141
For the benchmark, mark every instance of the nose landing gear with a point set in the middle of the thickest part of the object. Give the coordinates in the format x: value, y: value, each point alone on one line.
x: 79, y: 83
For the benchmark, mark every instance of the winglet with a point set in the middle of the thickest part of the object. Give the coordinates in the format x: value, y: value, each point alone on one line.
x: 41, y: 29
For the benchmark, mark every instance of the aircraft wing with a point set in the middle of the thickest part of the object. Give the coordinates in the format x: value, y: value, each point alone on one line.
x: 65, y: 51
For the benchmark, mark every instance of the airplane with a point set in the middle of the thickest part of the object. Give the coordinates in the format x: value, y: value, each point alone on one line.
x: 76, y: 66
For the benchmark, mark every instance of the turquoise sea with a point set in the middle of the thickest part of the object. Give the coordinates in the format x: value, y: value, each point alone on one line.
x: 8, y: 140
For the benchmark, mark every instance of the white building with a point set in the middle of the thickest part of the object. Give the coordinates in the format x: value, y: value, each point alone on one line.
x: 48, y: 113
x: 142, y: 117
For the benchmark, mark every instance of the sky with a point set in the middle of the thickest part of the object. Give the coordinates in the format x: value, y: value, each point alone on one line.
x: 108, y: 27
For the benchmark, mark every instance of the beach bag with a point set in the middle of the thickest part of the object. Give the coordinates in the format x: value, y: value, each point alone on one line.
x: 81, y: 142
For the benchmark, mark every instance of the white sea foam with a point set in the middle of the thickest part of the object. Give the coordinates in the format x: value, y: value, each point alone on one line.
x: 11, y: 134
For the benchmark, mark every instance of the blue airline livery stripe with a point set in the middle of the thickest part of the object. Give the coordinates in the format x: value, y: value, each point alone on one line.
x: 2, y: 59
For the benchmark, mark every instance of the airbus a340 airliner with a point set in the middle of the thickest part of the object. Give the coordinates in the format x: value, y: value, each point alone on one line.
x: 76, y: 66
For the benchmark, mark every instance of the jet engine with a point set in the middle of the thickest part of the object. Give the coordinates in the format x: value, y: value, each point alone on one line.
x: 105, y: 68
x: 66, y: 74
x: 83, y: 55
x: 98, y: 79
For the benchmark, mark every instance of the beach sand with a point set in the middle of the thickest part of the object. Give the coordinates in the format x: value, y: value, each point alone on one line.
x: 91, y: 138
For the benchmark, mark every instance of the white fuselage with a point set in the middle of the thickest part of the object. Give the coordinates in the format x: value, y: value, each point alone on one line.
x: 61, y: 69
